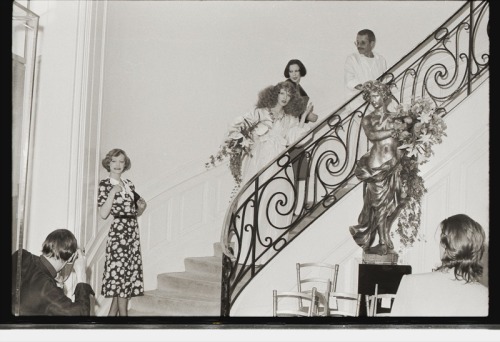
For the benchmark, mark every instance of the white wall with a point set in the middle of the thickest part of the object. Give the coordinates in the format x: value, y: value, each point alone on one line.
x: 54, y: 101
x: 177, y: 72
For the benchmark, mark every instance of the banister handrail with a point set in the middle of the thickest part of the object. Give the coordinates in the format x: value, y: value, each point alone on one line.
x: 430, y: 70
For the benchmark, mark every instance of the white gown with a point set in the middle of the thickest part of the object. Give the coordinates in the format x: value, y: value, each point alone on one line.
x: 279, y: 194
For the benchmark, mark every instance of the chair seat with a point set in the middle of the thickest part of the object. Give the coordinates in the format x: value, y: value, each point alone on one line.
x: 288, y: 303
x: 344, y: 304
x: 372, y: 303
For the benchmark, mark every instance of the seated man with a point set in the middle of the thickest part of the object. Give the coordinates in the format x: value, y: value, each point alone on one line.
x: 35, y: 288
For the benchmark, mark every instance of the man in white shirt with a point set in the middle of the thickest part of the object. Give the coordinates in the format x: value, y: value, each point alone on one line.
x: 362, y: 66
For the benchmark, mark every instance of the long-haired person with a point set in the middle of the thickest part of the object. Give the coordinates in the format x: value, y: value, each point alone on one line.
x: 453, y: 289
x: 278, y: 110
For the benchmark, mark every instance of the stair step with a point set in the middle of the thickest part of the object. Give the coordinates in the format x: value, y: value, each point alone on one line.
x: 204, y: 285
x: 218, y: 248
x: 173, y: 303
x: 211, y: 267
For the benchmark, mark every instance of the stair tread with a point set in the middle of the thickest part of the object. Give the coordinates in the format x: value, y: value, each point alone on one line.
x: 181, y: 296
x: 197, y: 276
x: 208, y: 259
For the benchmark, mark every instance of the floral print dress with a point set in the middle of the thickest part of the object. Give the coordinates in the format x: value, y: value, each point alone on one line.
x: 123, y: 275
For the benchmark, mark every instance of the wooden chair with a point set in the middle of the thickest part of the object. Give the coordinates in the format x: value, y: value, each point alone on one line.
x: 321, y: 307
x: 344, y: 304
x: 322, y: 276
x: 285, y: 304
x: 372, y: 303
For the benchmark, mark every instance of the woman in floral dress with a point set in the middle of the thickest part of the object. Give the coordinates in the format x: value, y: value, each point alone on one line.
x: 122, y: 276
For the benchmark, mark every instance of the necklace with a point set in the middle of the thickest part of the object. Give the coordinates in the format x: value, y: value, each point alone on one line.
x: 276, y: 116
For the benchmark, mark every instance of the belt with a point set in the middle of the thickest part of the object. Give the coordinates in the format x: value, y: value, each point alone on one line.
x: 124, y: 216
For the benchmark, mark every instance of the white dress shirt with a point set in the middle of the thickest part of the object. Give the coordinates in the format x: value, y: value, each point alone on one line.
x: 359, y: 69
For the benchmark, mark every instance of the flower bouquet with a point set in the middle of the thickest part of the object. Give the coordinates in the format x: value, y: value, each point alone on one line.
x: 417, y: 127
x: 238, y: 144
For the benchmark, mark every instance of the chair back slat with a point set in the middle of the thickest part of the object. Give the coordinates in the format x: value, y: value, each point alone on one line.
x: 307, y: 274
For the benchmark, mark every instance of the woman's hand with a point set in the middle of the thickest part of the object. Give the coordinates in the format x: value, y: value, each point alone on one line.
x: 141, y: 206
x: 308, y: 111
x: 116, y: 188
x: 311, y: 117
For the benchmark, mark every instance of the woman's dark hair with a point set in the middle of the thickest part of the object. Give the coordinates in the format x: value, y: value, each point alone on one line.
x: 463, y: 241
x: 115, y: 153
x: 268, y: 97
x: 302, y: 68
x: 61, y: 244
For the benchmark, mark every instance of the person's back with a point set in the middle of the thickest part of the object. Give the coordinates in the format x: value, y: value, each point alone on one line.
x: 454, y: 288
x: 34, y: 277
x: 35, y: 291
x: 439, y: 294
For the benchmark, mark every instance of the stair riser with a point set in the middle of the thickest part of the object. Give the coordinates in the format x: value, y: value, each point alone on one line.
x: 210, y: 269
x: 206, y: 289
x: 153, y: 305
x: 218, y: 248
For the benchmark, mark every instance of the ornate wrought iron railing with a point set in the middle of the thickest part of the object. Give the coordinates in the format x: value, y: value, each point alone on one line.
x: 273, y: 208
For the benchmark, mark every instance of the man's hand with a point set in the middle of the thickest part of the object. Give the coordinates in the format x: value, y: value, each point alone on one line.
x: 80, y: 267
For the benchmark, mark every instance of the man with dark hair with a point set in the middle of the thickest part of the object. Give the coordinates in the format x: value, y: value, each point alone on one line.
x: 35, y: 290
x: 362, y: 66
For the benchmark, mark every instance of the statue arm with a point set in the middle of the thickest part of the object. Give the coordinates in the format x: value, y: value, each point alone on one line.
x: 375, y: 132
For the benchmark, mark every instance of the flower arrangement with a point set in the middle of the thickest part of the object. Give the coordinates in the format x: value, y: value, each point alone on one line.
x: 238, y: 144
x: 418, y: 127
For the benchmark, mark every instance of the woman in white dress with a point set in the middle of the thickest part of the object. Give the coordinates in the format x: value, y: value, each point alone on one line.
x: 454, y: 288
x: 277, y: 112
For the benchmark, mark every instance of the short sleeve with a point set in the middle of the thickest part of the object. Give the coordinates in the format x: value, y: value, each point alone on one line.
x: 102, y: 192
x: 130, y: 184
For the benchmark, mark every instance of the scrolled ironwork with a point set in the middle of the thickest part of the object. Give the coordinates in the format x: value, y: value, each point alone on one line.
x: 445, y: 67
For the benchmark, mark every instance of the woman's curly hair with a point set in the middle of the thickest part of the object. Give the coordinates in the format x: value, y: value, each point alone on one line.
x: 378, y: 87
x: 115, y: 153
x: 268, y: 98
x: 463, y: 241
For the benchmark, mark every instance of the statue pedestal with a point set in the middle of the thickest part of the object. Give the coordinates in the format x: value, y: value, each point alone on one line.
x: 387, y: 277
x: 390, y: 258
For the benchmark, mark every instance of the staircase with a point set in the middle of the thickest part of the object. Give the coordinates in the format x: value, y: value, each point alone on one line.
x: 197, y: 290
x: 194, y: 292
